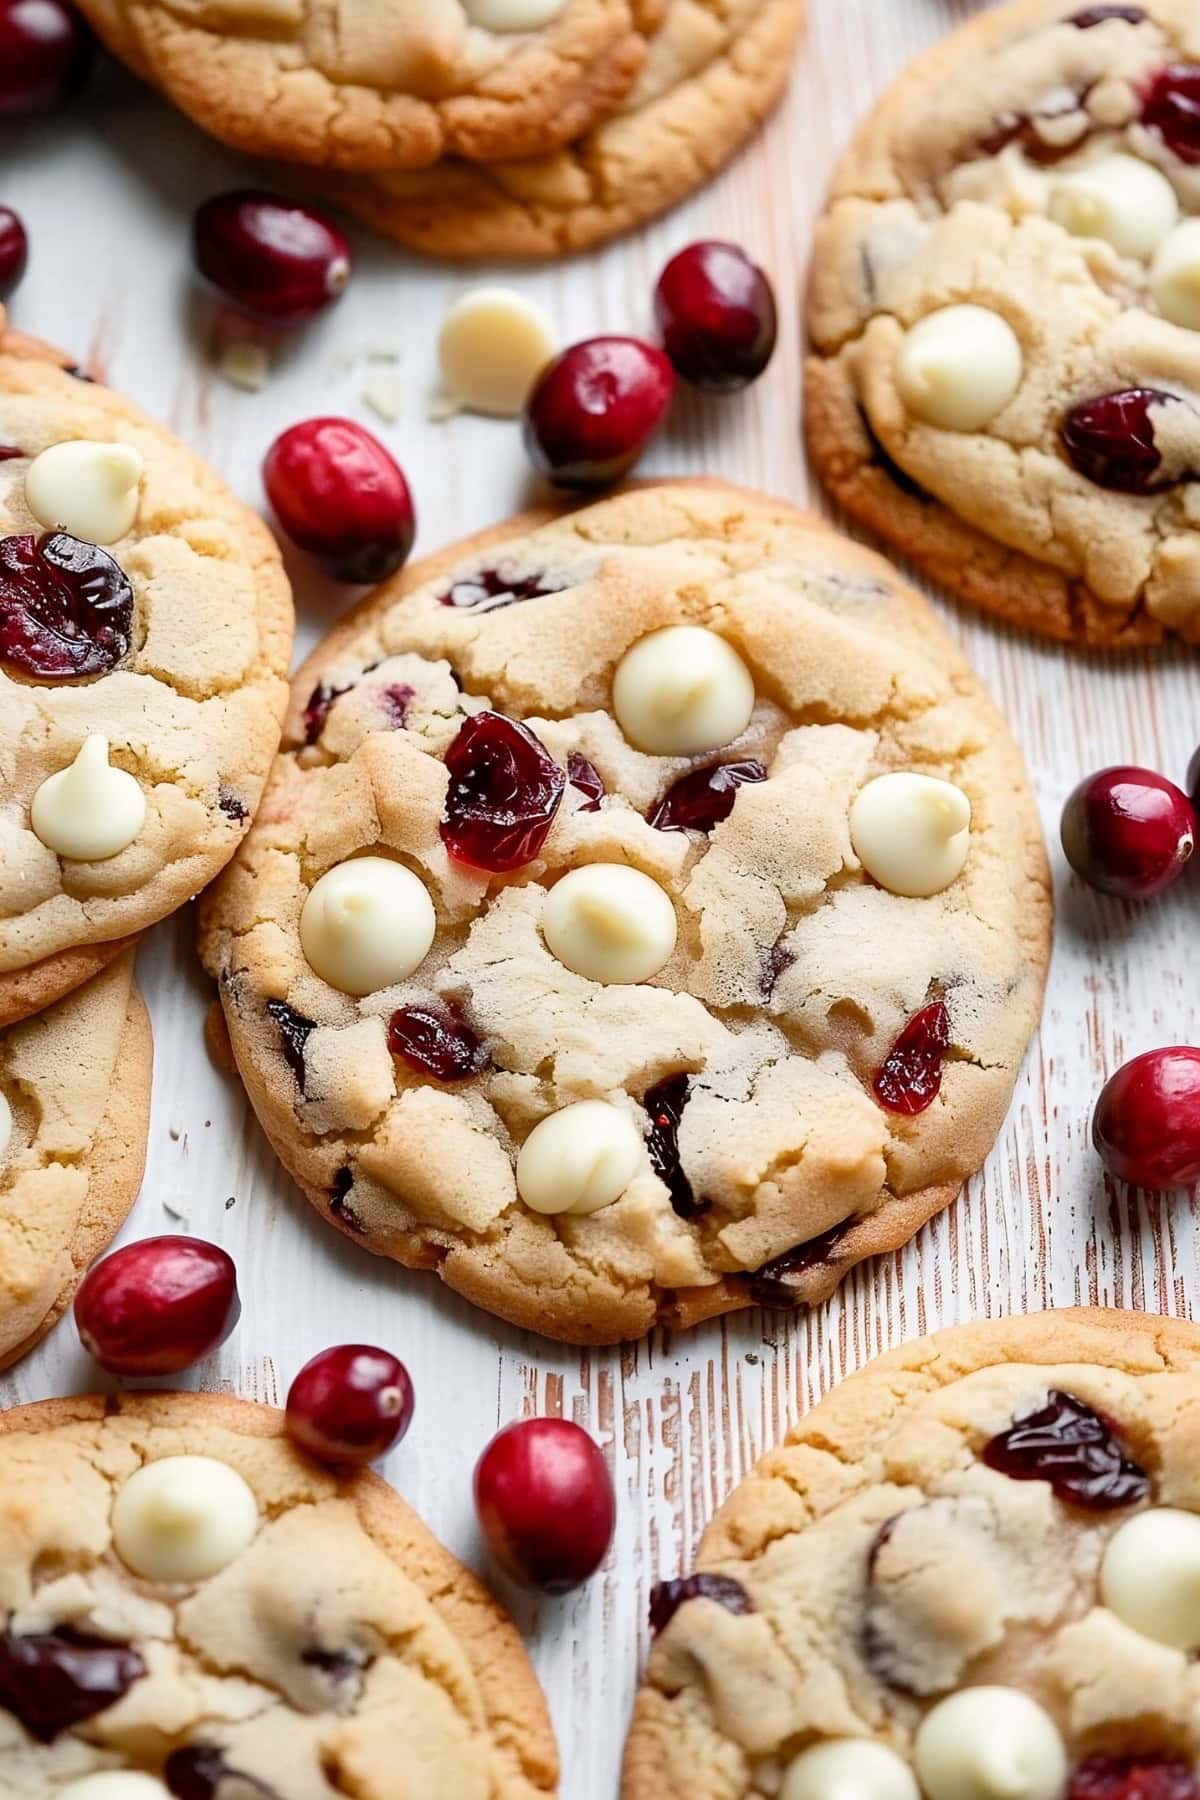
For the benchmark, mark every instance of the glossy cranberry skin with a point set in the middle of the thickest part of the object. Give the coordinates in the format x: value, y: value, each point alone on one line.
x: 1074, y: 1448
x: 1193, y: 782
x: 1128, y: 832
x: 769, y: 1285
x: 665, y: 1103
x: 437, y: 1041
x: 341, y: 495
x: 1146, y: 1125
x: 545, y: 1503
x: 1172, y: 109
x: 14, y: 251
x: 701, y: 799
x: 587, y: 780
x: 593, y: 410
x: 66, y: 607
x: 716, y: 312
x: 909, y: 1079
x: 1133, y: 1778
x: 273, y: 258
x: 1111, y: 440
x: 350, y: 1404
x: 45, y: 53
x: 666, y: 1597
x: 158, y: 1306
x: 52, y: 1680
x: 504, y: 791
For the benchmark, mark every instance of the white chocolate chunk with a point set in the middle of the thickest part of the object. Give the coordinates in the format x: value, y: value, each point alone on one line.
x: 183, y: 1518
x: 88, y: 811
x: 911, y: 832
x: 579, y: 1159
x: 1175, y: 276
x: 682, y: 691
x: 1150, y: 1576
x: 513, y: 15
x: 367, y: 924
x: 990, y: 1743
x: 115, y: 1784
x: 494, y: 344
x: 849, y: 1769
x: 86, y: 488
x: 609, y: 923
x: 1125, y: 201
x: 6, y: 1122
x: 959, y: 367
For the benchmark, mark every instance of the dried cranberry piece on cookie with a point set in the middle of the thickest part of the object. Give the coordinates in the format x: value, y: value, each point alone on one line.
x: 295, y: 1030
x: 1076, y: 1450
x: 52, y: 1680
x: 665, y: 1104
x: 1133, y: 1778
x: 770, y: 1287
x: 1172, y: 109
x: 200, y: 1772
x: 910, y: 1077
x: 586, y: 778
x: 1111, y: 439
x: 66, y: 608
x: 487, y: 590
x: 1091, y: 16
x: 437, y: 1041
x: 699, y: 800
x: 504, y: 791
x: 666, y: 1597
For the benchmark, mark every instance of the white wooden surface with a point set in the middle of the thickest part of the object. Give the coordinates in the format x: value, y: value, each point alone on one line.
x: 107, y: 193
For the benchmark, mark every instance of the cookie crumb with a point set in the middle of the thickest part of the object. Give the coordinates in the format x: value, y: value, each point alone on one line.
x: 384, y: 394
x: 246, y: 366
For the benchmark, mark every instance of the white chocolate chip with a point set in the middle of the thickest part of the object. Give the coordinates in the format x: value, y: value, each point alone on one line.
x: 609, y: 923
x: 959, y: 367
x: 6, y: 1122
x: 513, y: 15
x: 1125, y: 201
x: 86, y: 488
x: 115, y: 1784
x: 1150, y: 1576
x: 579, y: 1159
x: 911, y: 832
x: 89, y: 811
x: 990, y: 1743
x: 183, y: 1518
x: 682, y: 691
x: 245, y: 365
x: 849, y: 1769
x: 1175, y: 276
x: 367, y: 924
x: 494, y: 344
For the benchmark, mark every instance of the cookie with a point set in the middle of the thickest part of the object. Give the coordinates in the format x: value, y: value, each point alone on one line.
x: 145, y: 630
x: 1004, y: 322
x: 553, y: 963
x: 74, y: 1112
x: 714, y: 71
x: 193, y: 1599
x: 965, y: 1574
x: 394, y: 84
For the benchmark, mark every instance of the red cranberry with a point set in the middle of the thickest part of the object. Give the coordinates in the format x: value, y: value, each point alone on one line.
x: 1128, y: 832
x: 593, y: 410
x: 769, y: 1286
x: 1172, y: 108
x: 545, y: 1503
x: 66, y: 608
x: 716, y: 312
x: 318, y: 708
x: 587, y: 780
x: 487, y: 590
x: 665, y: 1104
x: 700, y: 800
x: 157, y: 1306
x: 1100, y: 15
x: 52, y: 1680
x: 666, y: 1597
x: 295, y: 1031
x: 14, y: 251
x: 1111, y: 440
x: 1147, y: 1120
x: 339, y: 494
x: 1073, y: 1448
x: 45, y: 53
x: 910, y: 1077
x: 437, y: 1041
x: 273, y: 258
x: 1133, y: 1778
x: 504, y: 791
x: 350, y: 1404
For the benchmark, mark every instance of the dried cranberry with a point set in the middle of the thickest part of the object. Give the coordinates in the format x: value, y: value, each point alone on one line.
x: 504, y: 791
x: 200, y: 1772
x: 14, y: 251
x: 9, y: 453
x: 701, y: 799
x: 66, y: 608
x: 910, y: 1076
x: 1172, y: 108
x: 52, y: 1680
x: 1111, y: 440
x: 1073, y: 1448
x: 666, y: 1597
x: 487, y: 590
x: 1022, y: 129
x: 437, y: 1041
x: 398, y: 696
x: 1100, y: 15
x: 587, y: 779
x: 339, y: 1201
x: 769, y: 1285
x: 295, y: 1030
x: 665, y: 1104
x: 1133, y: 1778
x: 318, y: 708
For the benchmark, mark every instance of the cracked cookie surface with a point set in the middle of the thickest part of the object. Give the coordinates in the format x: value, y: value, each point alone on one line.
x: 1042, y: 165
x: 762, y: 1163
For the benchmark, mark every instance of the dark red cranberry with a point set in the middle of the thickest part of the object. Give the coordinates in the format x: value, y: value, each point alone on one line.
x: 716, y: 312
x: 487, y: 590
x: 1073, y: 1448
x: 699, y: 800
x: 587, y: 780
x: 504, y: 791
x: 1111, y: 440
x: 770, y: 1287
x: 273, y: 258
x: 665, y: 1104
x: 339, y: 1202
x: 295, y: 1031
x: 318, y: 708
x: 1172, y: 108
x: 52, y: 1680
x: 45, y: 53
x: 397, y: 697
x: 1193, y: 782
x: 1129, y: 832
x: 200, y: 1772
x: 545, y: 1503
x: 10, y: 453
x: 157, y: 1306
x: 593, y: 410
x: 14, y: 250
x: 437, y: 1041
x: 350, y: 1404
x: 1147, y: 1120
x: 1100, y: 15
x: 340, y: 495
x: 1133, y: 1778
x: 666, y: 1597
x: 910, y: 1077
x: 66, y: 608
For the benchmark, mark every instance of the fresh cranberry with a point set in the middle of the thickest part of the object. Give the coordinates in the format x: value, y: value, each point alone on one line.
x: 200, y: 1772
x: 587, y: 780
x: 52, y: 1680
x: 45, y: 53
x: 340, y: 495
x: 437, y: 1041
x: 1133, y: 1778
x: 66, y: 608
x: 665, y: 1104
x: 593, y: 410
x: 487, y: 590
x: 156, y: 1307
x: 14, y: 251
x: 350, y: 1404
x: 1146, y: 1124
x: 1111, y: 440
x: 716, y: 312
x: 700, y: 800
x: 273, y: 258
x: 1073, y: 1448
x: 545, y: 1503
x: 770, y: 1287
x: 1100, y: 15
x: 504, y: 791
x: 295, y: 1031
x: 1172, y: 108
x: 910, y: 1077
x: 1129, y: 832
x: 666, y: 1597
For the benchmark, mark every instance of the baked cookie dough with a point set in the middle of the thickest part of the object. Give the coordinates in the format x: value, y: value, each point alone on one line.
x: 1005, y: 319
x: 145, y: 630
x: 552, y: 962
x: 191, y: 1599
x: 969, y: 1572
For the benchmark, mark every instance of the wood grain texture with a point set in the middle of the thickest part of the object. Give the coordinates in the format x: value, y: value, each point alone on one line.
x: 107, y: 194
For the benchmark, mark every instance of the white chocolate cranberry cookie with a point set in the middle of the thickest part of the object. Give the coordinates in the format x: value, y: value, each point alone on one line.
x: 647, y: 915
x: 145, y: 629
x: 187, y: 1600
x: 1005, y: 319
x: 74, y: 1111
x: 969, y: 1574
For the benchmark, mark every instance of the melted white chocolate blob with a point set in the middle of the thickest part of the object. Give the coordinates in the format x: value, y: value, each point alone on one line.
x: 1175, y: 276
x: 682, y: 691
x: 366, y: 924
x: 88, y: 489
x: 579, y: 1159
x: 493, y: 345
x: 183, y: 1518
x: 959, y: 368
x: 1125, y: 201
x: 114, y: 1784
x: 849, y: 1769
x: 911, y: 833
x: 609, y: 923
x: 990, y: 1743
x: 513, y: 15
x: 1150, y: 1576
x: 88, y: 811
